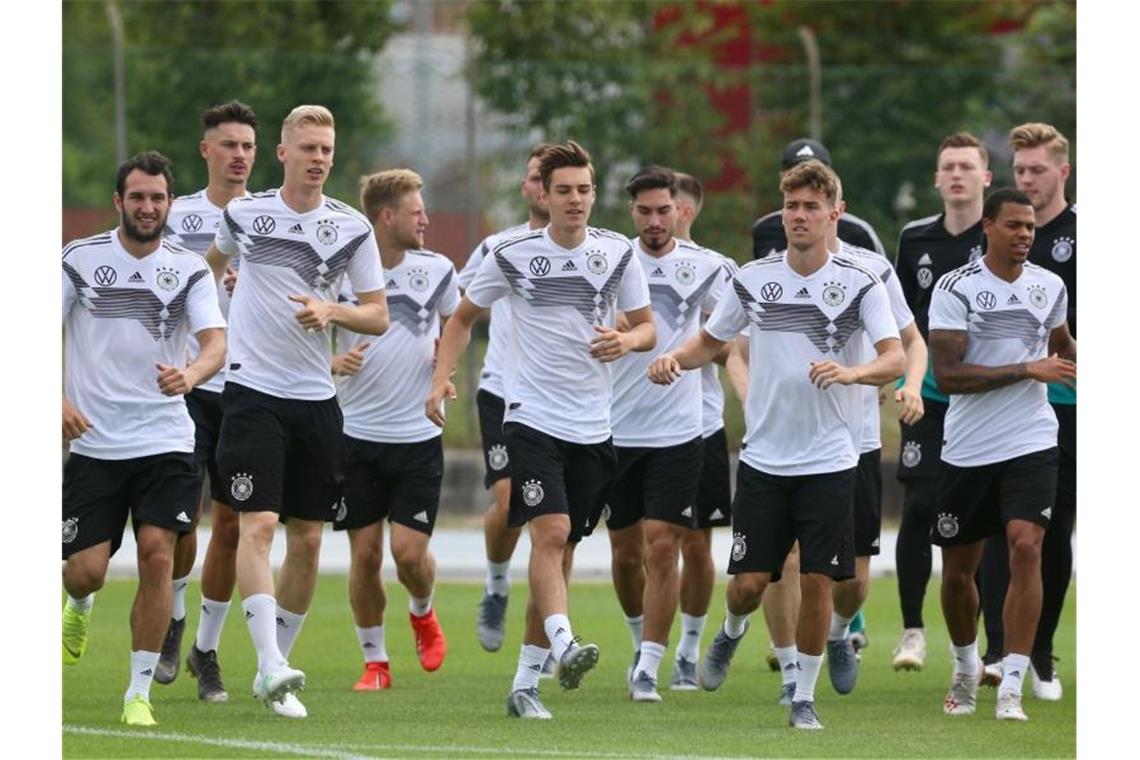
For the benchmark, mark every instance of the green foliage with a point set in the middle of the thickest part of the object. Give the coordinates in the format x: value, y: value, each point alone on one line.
x: 183, y: 56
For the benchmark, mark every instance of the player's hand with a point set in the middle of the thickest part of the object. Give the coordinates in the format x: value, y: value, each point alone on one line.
x: 229, y: 280
x: 827, y: 373
x: 350, y: 362
x: 911, y: 406
x: 1054, y: 370
x: 314, y: 314
x: 75, y: 423
x: 609, y: 344
x: 664, y: 370
x: 173, y: 381
x: 433, y: 406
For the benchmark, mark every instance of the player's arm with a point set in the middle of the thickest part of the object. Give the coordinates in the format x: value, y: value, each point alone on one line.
x: 1062, y: 343
x: 178, y: 381
x: 75, y: 423
x: 696, y: 352
x: 888, y: 364
x: 737, y: 366
x: 452, y: 343
x: 954, y: 375
x: 350, y: 361
x: 909, y: 396
x: 217, y: 261
x: 368, y: 317
x: 640, y: 334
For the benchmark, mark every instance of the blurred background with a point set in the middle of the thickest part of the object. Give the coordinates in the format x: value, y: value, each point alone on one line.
x: 459, y: 90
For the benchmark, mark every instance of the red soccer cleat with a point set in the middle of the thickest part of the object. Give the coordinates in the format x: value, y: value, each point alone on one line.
x: 431, y: 644
x: 376, y: 677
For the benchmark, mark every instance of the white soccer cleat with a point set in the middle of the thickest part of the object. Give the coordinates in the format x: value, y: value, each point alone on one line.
x: 272, y: 686
x: 1009, y: 706
x: 289, y: 706
x: 910, y: 652
x: 1050, y: 690
x: 962, y: 699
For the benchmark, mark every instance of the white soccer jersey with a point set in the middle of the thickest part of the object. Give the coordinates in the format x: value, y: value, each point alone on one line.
x: 682, y: 284
x: 491, y: 378
x: 794, y: 428
x: 123, y: 315
x: 285, y: 253
x: 712, y: 392
x: 193, y: 223
x: 384, y: 401
x: 877, y: 263
x: 557, y: 297
x: 1006, y: 323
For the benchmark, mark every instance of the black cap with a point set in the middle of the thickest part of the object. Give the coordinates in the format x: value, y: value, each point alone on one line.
x: 802, y: 150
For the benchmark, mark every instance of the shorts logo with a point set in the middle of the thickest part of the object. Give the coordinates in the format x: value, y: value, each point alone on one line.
x: 532, y: 493
x: 606, y: 513
x: 1047, y: 513
x: 947, y: 525
x: 739, y: 547
x: 911, y: 454
x: 685, y: 274
x: 418, y: 280
x: 771, y: 291
x: 264, y: 224
x: 497, y: 457
x: 540, y: 266
x: 985, y: 300
x: 834, y: 294
x: 70, y: 529
x: 597, y: 263
x: 835, y: 561
x: 326, y: 233
x: 106, y: 276
x: 1062, y: 249
x: 191, y: 223
x: 341, y: 508
x: 1037, y: 297
x: 241, y: 486
x: 925, y: 278
x: 975, y: 253
x: 167, y: 279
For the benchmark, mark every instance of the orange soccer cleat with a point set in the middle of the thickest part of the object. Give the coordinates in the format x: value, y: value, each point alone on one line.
x: 431, y: 644
x: 376, y: 676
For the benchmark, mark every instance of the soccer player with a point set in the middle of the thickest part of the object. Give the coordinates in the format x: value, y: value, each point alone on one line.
x: 130, y: 299
x: 565, y: 283
x: 499, y: 538
x: 657, y: 429
x: 768, y: 231
x: 929, y: 248
x: 807, y: 312
x: 229, y: 147
x: 998, y: 334
x: 281, y: 447
x: 394, y: 455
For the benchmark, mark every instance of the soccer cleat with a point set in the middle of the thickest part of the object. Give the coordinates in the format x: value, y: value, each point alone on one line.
x: 713, y: 668
x: 576, y: 661
x: 803, y: 716
x: 204, y: 666
x: 288, y: 706
x: 272, y: 687
x: 991, y: 671
x: 171, y: 656
x: 376, y: 676
x: 773, y: 661
x: 74, y: 634
x: 431, y: 644
x: 490, y: 625
x: 138, y: 712
x: 549, y: 668
x: 787, y: 694
x: 859, y: 638
x: 644, y: 688
x: 524, y: 703
x: 962, y: 699
x: 1050, y: 690
x: 842, y: 666
x: 684, y: 676
x: 1009, y: 706
x: 910, y: 652
x: 632, y: 666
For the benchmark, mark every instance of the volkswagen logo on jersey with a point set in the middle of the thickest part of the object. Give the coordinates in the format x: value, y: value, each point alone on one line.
x: 1062, y: 249
x: 739, y: 547
x: 191, y: 223
x: 106, y: 276
x: 326, y: 233
x: 1037, y: 297
x: 540, y: 266
x: 771, y: 291
x: 985, y: 300
x: 264, y: 224
x: 975, y: 253
x: 241, y: 486
x: 532, y: 493
x: 834, y: 294
x: 947, y: 525
x: 685, y: 273
x: 167, y: 279
x: 497, y: 456
x: 597, y: 263
x: 911, y: 454
x: 925, y: 278
x: 70, y: 529
x: 418, y: 280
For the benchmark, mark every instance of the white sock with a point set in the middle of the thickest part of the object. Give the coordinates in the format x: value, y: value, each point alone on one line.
x: 557, y: 629
x: 806, y: 674
x: 261, y: 619
x: 840, y: 627
x: 498, y: 578
x: 788, y: 656
x: 210, y: 624
x: 178, y: 609
x: 372, y: 643
x: 650, y: 659
x: 531, y: 660
x: 966, y: 659
x: 636, y: 629
x: 420, y: 606
x: 734, y: 625
x: 692, y: 626
x: 83, y: 604
x: 142, y: 673
x: 1013, y: 667
x: 288, y: 628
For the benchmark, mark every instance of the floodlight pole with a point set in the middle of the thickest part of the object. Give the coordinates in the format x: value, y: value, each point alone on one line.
x: 116, y: 19
x: 811, y: 51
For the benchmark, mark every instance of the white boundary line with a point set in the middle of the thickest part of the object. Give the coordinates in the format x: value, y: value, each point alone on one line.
x: 281, y: 748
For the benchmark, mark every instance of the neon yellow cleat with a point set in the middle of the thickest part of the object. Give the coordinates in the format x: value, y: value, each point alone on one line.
x: 138, y: 712
x: 74, y: 634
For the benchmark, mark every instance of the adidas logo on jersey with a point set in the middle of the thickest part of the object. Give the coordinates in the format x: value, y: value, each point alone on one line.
x: 296, y: 229
x: 1013, y: 299
x: 925, y: 261
x: 657, y: 272
x: 391, y: 285
x: 421, y: 516
x: 136, y: 277
x: 569, y: 267
x: 182, y: 517
x: 803, y: 293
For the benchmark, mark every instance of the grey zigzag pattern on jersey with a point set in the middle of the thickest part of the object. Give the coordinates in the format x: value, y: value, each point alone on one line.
x: 676, y: 308
x: 1017, y: 324
x: 809, y: 320
x: 405, y: 310
x: 198, y: 242
x: 575, y: 291
x: 139, y: 304
x: 297, y: 255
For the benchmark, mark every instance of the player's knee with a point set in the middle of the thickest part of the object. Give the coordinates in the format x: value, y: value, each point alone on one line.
x: 815, y: 585
x: 409, y: 553
x: 663, y: 550
x: 306, y: 542
x: 747, y: 588
x: 1024, y: 550
x: 83, y: 578
x: 155, y: 554
x: 366, y: 557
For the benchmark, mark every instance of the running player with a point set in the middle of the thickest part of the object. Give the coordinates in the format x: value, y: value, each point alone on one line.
x: 229, y: 148
x: 565, y: 283
x: 281, y: 447
x: 130, y: 299
x: 998, y: 334
x: 807, y: 312
x: 929, y: 248
x: 394, y: 455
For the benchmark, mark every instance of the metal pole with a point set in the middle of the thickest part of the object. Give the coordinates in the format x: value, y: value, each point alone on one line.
x: 116, y: 19
x: 811, y: 51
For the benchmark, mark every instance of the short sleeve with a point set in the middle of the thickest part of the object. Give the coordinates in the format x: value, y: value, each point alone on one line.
x: 202, y: 310
x: 467, y: 274
x: 719, y: 287
x: 489, y: 283
x: 897, y: 299
x: 728, y: 318
x: 949, y: 310
x: 875, y: 313
x: 449, y: 300
x: 364, y: 269
x: 70, y: 295
x: 1059, y: 312
x: 224, y: 239
x: 633, y: 291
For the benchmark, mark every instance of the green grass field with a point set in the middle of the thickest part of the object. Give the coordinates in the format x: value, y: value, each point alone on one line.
x: 460, y: 709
